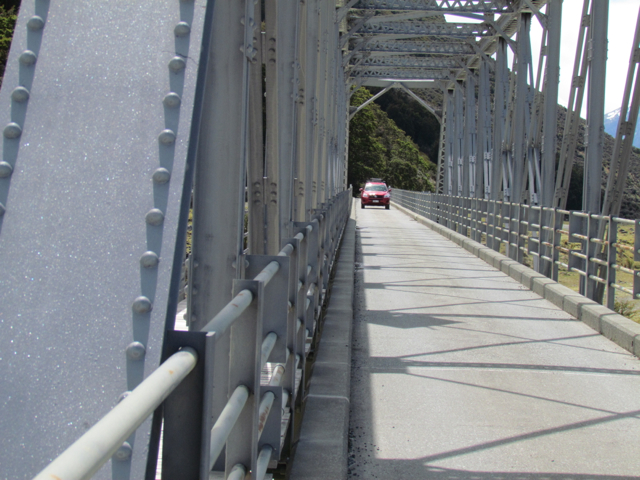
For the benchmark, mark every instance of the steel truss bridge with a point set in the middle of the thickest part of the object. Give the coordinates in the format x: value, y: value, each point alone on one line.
x: 134, y: 129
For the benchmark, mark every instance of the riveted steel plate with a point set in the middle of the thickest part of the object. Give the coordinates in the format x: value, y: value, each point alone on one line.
x: 98, y: 155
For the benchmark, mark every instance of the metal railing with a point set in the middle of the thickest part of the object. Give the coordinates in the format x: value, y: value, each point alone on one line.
x: 272, y: 317
x: 601, y: 250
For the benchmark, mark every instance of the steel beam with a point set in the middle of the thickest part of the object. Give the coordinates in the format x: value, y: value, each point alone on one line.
x: 595, y: 107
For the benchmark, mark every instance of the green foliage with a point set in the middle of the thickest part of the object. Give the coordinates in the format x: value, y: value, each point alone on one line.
x: 625, y: 308
x: 416, y: 121
x: 8, y: 18
x: 378, y: 148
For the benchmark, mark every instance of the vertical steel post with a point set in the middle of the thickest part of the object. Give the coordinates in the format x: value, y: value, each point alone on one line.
x: 255, y: 167
x: 311, y: 103
x: 522, y: 108
x: 301, y: 160
x: 220, y: 171
x: 550, y: 122
x: 595, y: 106
x: 470, y: 137
x: 485, y: 151
x: 458, y: 151
x: 500, y: 117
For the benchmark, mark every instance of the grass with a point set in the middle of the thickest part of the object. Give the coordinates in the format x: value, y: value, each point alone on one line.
x: 624, y: 303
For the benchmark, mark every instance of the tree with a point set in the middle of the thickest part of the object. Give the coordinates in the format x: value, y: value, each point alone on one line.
x: 378, y: 148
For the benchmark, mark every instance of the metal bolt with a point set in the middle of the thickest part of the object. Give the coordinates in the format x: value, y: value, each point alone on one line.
x: 5, y: 170
x: 28, y: 58
x: 20, y: 94
x: 142, y: 305
x: 135, y: 351
x: 35, y: 23
x: 172, y: 100
x: 2, y: 209
x: 182, y: 29
x: 177, y: 64
x: 149, y: 259
x: 167, y: 137
x: 154, y: 217
x: 161, y: 175
x: 123, y: 395
x: 12, y: 130
x: 123, y: 453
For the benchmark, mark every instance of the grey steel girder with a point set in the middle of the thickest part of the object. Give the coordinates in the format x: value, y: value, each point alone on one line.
x: 400, y: 74
x: 382, y: 45
x: 410, y: 62
x: 443, y: 6
x: 103, y: 103
x: 455, y: 30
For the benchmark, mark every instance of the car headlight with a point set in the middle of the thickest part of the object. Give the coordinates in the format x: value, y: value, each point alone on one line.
x: 386, y: 195
x: 365, y: 195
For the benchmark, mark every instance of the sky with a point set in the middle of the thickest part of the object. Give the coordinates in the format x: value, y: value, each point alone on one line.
x: 622, y: 21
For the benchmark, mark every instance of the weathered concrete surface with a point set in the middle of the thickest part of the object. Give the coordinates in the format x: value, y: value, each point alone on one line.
x: 461, y: 372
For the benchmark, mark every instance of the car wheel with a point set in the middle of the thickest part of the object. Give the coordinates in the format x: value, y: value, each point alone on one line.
x: 386, y: 207
x: 362, y: 205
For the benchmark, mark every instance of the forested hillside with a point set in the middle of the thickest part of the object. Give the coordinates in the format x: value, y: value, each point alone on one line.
x: 378, y: 148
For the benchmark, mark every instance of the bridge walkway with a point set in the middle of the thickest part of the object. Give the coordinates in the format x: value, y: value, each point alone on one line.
x: 460, y: 372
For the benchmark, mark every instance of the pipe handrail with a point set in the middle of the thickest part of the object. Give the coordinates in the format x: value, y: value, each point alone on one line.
x: 92, y: 450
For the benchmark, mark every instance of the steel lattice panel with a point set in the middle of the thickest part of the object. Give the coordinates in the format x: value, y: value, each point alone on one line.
x: 94, y: 159
x: 444, y: 6
x: 400, y: 46
x: 458, y: 30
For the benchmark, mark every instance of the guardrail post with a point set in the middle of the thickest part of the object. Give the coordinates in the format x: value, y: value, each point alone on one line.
x: 577, y: 226
x: 592, y: 252
x: 187, y: 412
x: 244, y: 369
x: 558, y: 223
x: 636, y: 259
x: 611, y: 261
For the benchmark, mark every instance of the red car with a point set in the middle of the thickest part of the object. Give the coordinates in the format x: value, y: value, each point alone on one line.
x: 375, y: 193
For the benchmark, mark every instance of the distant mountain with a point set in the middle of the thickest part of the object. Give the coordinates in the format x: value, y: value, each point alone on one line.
x: 611, y: 126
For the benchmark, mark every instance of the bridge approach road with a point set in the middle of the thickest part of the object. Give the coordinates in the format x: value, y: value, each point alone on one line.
x: 460, y: 372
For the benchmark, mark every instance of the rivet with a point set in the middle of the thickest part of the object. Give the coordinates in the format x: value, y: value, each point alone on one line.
x: 28, y: 58
x: 5, y: 170
x: 171, y: 100
x: 182, y: 29
x: 142, y: 305
x: 12, y: 130
x: 177, y: 64
x: 149, y: 259
x: 161, y: 175
x: 35, y: 23
x: 167, y: 137
x: 135, y: 351
x: 20, y: 94
x: 154, y: 217
x: 2, y: 209
x: 123, y: 453
x: 123, y: 395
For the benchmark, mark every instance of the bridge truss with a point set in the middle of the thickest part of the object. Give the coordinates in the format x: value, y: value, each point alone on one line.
x: 129, y: 127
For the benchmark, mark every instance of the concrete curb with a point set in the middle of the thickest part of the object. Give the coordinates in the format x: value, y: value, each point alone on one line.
x: 613, y: 326
x: 322, y: 449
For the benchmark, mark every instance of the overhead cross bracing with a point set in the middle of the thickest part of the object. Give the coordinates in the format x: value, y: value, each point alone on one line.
x: 484, y: 6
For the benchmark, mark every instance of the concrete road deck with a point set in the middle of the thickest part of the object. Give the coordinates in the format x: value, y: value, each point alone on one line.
x: 460, y: 372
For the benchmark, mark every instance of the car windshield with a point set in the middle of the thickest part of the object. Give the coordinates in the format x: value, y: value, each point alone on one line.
x: 375, y: 188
